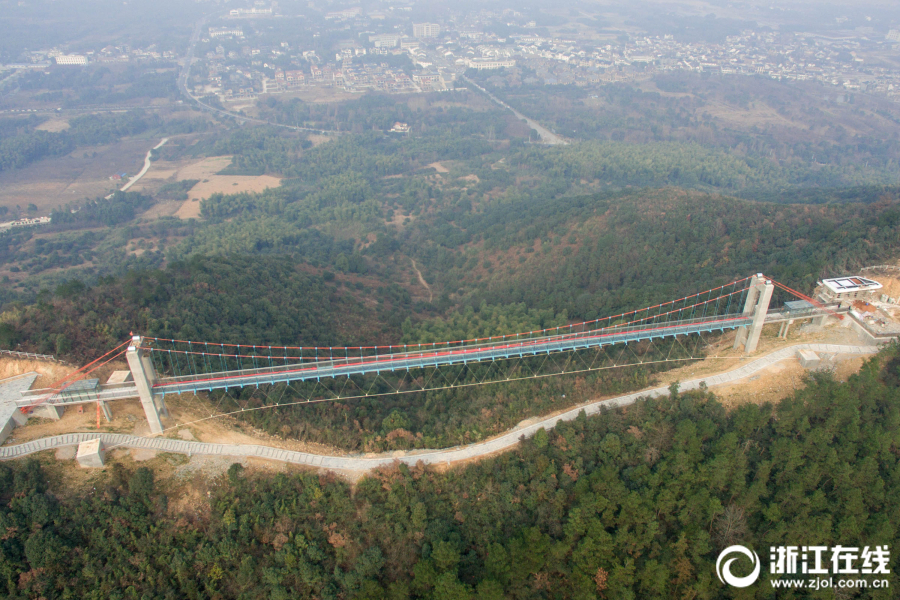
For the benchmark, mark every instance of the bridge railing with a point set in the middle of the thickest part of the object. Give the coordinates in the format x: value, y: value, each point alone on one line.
x: 189, y: 359
x: 102, y: 394
x: 449, y: 355
x: 28, y: 355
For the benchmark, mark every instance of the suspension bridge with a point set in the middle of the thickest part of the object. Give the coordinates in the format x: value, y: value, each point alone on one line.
x: 160, y: 367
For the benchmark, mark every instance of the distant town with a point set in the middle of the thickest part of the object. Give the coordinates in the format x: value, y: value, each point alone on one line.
x: 239, y: 58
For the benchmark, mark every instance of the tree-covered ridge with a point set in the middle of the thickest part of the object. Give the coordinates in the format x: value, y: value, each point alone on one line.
x: 628, y: 504
x: 246, y: 300
x: 689, y: 164
x: 602, y: 164
x: 504, y: 237
x: 462, y: 113
x: 119, y: 207
x: 600, y: 254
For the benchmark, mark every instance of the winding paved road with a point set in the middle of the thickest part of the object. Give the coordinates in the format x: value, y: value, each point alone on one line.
x: 446, y: 456
x: 147, y: 163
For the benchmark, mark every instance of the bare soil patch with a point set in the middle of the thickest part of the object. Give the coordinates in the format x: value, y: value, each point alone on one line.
x: 210, y: 182
x: 53, y: 125
x: 74, y: 420
x: 48, y: 371
x: 190, y: 209
x: 318, y: 139
x: 650, y: 86
x: 203, y: 169
x: 232, y: 184
x: 191, y: 413
x: 224, y: 184
x: 398, y: 221
x: 161, y: 171
x: 772, y: 384
x: 758, y: 114
x: 890, y: 280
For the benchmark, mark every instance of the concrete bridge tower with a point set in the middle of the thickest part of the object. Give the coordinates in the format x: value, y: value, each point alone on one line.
x: 144, y: 377
x: 757, y: 305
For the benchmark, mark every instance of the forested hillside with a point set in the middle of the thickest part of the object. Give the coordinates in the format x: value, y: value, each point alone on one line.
x: 246, y: 300
x: 797, y: 129
x: 598, y: 255
x: 435, y: 195
x: 626, y: 505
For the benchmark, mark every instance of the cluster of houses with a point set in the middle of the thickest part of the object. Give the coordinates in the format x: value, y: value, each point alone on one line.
x: 440, y: 52
x: 353, y: 78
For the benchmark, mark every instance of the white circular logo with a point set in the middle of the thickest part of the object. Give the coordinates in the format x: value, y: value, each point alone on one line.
x: 724, y: 570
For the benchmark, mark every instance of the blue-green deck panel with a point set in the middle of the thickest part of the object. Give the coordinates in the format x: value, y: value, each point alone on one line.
x: 435, y: 358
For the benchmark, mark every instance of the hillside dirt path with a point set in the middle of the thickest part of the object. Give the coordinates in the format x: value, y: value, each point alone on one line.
x: 422, y: 280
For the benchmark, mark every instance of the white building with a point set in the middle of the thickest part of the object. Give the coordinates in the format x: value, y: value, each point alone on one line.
x: 342, y: 15
x: 71, y: 59
x: 426, y: 30
x: 215, y: 32
x: 481, y: 63
x: 385, y: 40
x: 847, y: 289
x: 250, y: 12
x: 26, y: 222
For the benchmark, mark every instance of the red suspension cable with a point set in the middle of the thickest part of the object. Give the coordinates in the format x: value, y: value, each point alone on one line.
x: 484, y: 339
x: 77, y: 375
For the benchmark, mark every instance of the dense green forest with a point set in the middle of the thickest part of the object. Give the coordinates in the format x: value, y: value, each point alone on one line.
x: 794, y: 128
x: 92, y: 232
x: 204, y: 298
x: 585, y: 256
x: 630, y: 504
x: 597, y: 255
